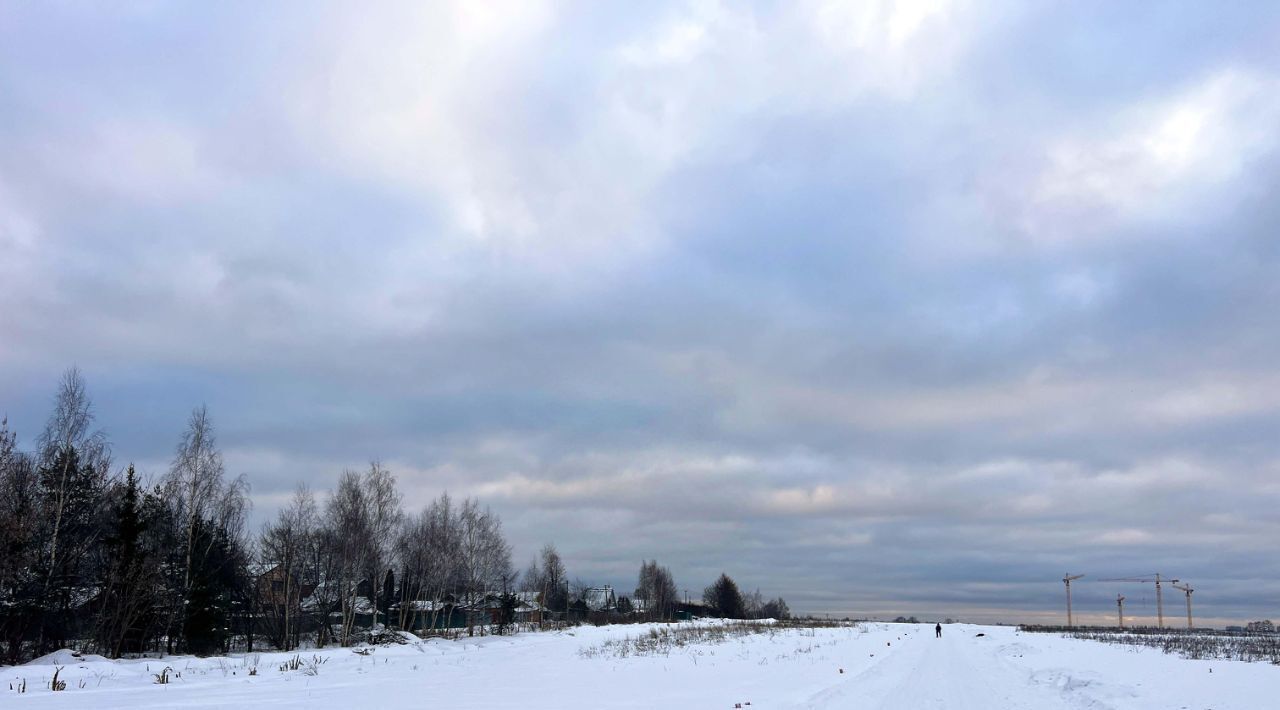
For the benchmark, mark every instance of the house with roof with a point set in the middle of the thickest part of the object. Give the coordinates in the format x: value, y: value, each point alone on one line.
x: 600, y: 599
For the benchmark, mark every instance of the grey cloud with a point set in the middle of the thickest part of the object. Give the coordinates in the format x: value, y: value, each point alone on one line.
x: 725, y: 287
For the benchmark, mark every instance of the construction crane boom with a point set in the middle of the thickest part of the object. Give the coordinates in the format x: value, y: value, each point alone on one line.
x: 1148, y: 579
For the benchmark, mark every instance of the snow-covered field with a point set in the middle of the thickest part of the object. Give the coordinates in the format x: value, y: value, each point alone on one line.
x: 884, y: 666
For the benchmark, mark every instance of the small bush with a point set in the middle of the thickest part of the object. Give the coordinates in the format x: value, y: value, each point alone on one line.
x: 1188, y: 643
x: 662, y: 640
x: 309, y: 666
x: 313, y: 664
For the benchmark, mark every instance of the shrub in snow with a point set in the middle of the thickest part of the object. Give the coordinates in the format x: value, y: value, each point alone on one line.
x: 56, y: 684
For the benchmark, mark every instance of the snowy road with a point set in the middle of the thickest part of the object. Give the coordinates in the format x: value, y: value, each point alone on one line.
x: 885, y: 667
x: 960, y: 671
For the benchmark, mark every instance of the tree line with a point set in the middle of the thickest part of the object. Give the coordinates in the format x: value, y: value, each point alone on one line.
x: 93, y: 557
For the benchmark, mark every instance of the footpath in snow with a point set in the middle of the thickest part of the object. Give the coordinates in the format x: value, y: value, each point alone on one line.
x: 889, y: 666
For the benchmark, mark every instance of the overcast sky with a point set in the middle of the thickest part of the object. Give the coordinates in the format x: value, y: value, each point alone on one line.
x: 885, y: 307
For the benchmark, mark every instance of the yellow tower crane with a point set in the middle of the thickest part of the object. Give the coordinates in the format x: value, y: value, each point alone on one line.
x: 1066, y: 579
x: 1185, y: 588
x: 1148, y: 579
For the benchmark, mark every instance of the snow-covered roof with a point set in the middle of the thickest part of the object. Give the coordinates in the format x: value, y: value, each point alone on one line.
x: 257, y: 569
x: 600, y: 598
x: 422, y: 605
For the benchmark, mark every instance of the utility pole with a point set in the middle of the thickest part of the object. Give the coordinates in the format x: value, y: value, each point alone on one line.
x: 1066, y: 579
x: 1120, y: 609
x: 1186, y: 588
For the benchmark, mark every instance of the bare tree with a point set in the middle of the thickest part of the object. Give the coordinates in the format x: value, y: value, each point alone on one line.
x: 441, y: 542
x: 658, y: 590
x: 71, y: 423
x: 532, y: 579
x: 776, y: 609
x: 414, y: 561
x: 324, y: 563
x: 69, y: 429
x: 555, y: 591
x: 8, y: 445
x: 484, y: 557
x: 202, y: 498
x: 578, y: 590
x: 427, y: 545
x: 74, y: 460
x: 383, y: 516
x: 283, y: 547
x: 347, y: 519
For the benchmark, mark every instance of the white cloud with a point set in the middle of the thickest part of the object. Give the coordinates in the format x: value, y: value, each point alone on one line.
x: 879, y: 26
x: 19, y: 233
x: 1155, y: 160
x: 434, y: 98
x: 679, y: 43
x: 1123, y: 537
x: 144, y: 158
x: 20, y: 237
x: 1224, y: 396
x: 892, y: 45
x: 417, y: 94
x: 1053, y: 399
x: 446, y: 248
x: 1081, y: 288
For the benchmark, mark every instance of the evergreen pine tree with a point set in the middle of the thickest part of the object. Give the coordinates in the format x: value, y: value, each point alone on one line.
x: 724, y: 597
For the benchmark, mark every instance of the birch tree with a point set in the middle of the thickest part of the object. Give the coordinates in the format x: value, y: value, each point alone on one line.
x: 349, y: 530
x: 74, y: 459
x: 484, y: 557
x: 209, y: 508
x: 382, y: 519
x: 427, y: 545
x: 441, y: 541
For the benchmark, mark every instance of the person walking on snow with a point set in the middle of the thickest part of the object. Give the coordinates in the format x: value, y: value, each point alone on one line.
x: 937, y: 630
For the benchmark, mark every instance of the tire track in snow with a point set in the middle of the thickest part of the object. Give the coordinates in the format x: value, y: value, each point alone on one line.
x: 957, y: 672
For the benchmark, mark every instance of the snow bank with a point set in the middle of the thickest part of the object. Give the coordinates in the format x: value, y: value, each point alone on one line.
x: 66, y: 657
x: 890, y: 666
